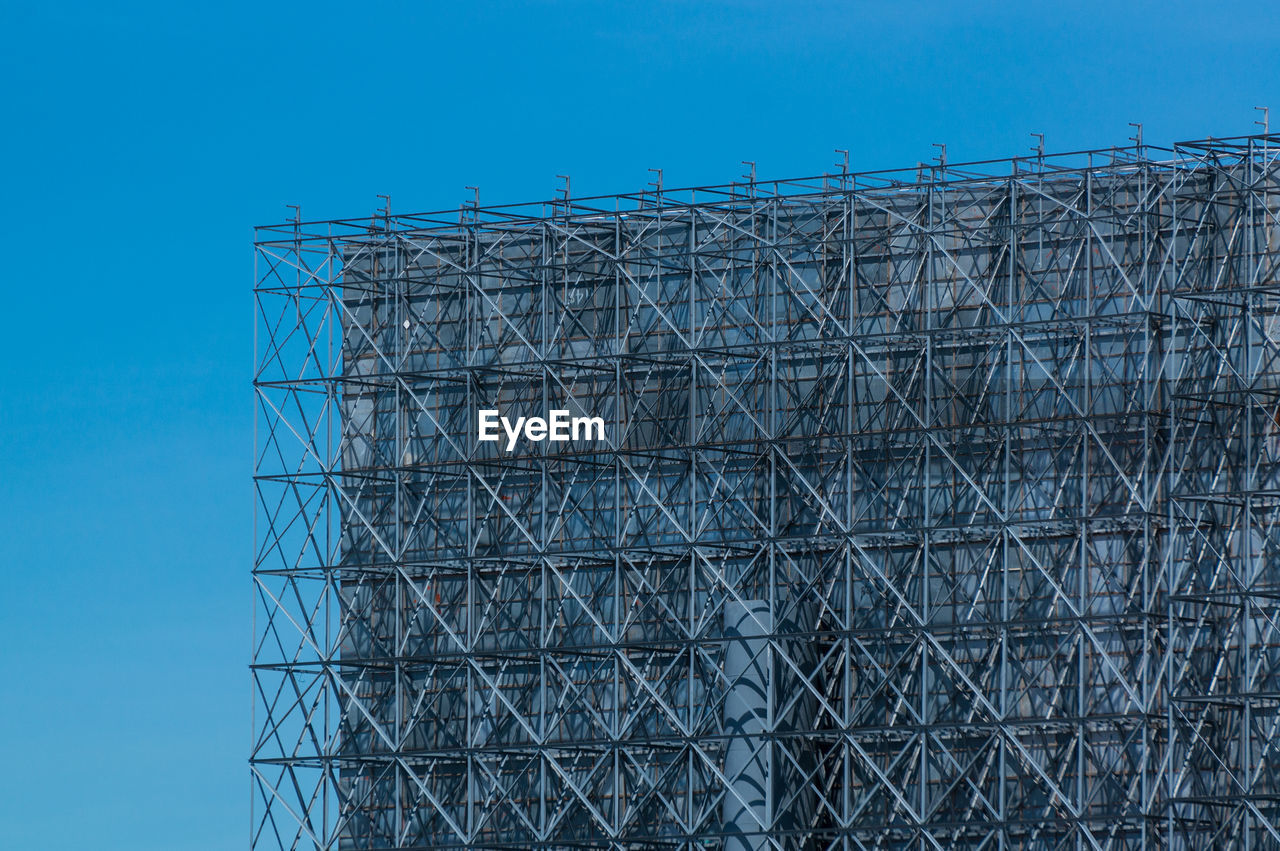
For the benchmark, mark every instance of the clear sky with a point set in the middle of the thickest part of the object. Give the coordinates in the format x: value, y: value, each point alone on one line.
x: 141, y: 142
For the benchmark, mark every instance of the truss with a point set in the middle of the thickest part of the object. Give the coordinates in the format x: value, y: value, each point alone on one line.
x: 938, y: 509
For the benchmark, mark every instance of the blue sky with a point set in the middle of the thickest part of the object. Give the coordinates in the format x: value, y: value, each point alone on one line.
x: 141, y: 142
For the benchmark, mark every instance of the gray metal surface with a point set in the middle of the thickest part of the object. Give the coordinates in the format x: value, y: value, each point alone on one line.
x: 937, y: 509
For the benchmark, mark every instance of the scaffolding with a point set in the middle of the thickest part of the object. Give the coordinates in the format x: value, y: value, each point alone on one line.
x: 937, y: 509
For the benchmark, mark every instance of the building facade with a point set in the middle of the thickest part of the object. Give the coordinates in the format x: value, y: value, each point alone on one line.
x: 934, y: 509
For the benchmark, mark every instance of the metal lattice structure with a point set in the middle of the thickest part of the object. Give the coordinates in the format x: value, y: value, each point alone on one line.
x: 937, y: 509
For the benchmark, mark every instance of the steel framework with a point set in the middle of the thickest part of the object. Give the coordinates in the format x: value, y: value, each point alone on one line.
x: 937, y: 509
